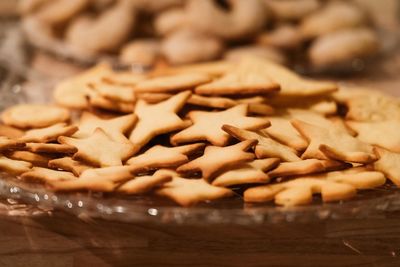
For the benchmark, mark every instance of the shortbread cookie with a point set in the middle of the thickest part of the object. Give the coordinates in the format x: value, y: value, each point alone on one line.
x: 246, y: 79
x: 158, y: 118
x: 164, y: 157
x: 172, y: 83
x: 71, y: 92
x: 153, y: 98
x: 10, y: 144
x: 99, y: 179
x: 50, y: 148
x: 38, y: 174
x: 292, y: 84
x: 114, y: 92
x: 34, y: 158
x: 266, y: 147
x: 34, y: 115
x: 389, y: 164
x: 96, y: 100
x: 124, y: 78
x: 282, y: 130
x: 10, y: 132
x: 261, y: 109
x: 371, y: 133
x: 115, y: 128
x: 247, y: 173
x: 207, y: 125
x: 15, y: 167
x: 100, y: 149
x: 331, y: 143
x: 48, y: 134
x: 212, y: 68
x: 68, y: 164
x: 333, y: 186
x: 307, y: 166
x: 216, y: 159
x: 143, y: 184
x: 187, y: 192
x: 211, y: 102
x: 368, y: 105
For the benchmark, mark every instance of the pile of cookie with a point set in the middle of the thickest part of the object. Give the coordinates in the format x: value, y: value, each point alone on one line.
x: 321, y: 34
x: 203, y: 132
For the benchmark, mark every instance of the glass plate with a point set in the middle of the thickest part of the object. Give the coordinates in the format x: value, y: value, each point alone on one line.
x: 155, y: 209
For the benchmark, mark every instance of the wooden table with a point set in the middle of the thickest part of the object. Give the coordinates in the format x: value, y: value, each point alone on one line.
x: 63, y: 240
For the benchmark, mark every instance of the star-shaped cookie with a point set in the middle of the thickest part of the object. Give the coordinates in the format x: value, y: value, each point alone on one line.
x: 68, y: 164
x: 371, y: 133
x: 282, y: 131
x: 158, y: 118
x: 164, y: 157
x: 47, y: 175
x: 247, y: 173
x: 115, y: 128
x: 293, y: 85
x: 14, y: 166
x: 187, y: 192
x: 266, y: 147
x: 48, y: 134
x: 307, y: 166
x: 332, y: 143
x: 100, y: 149
x: 216, y: 159
x: 246, y: 79
x: 389, y: 164
x: 207, y: 125
x: 172, y: 83
x: 10, y: 144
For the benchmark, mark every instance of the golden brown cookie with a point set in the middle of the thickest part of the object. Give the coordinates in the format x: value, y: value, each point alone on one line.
x: 216, y: 159
x: 207, y: 125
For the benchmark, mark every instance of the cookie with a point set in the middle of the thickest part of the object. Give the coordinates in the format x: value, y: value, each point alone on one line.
x: 68, y: 164
x: 389, y: 164
x: 292, y: 84
x: 207, y: 125
x: 371, y: 133
x: 15, y: 167
x: 266, y: 147
x: 332, y: 186
x: 143, y: 184
x: 164, y: 157
x: 158, y: 118
x: 98, y: 179
x: 115, y: 128
x: 216, y: 159
x: 188, y: 192
x: 10, y: 144
x: 35, y: 158
x: 307, y: 166
x: 247, y: 173
x: 211, y: 101
x: 95, y: 100
x: 50, y: 148
x: 172, y: 83
x: 39, y: 174
x: 331, y: 143
x: 109, y: 153
x: 34, y: 115
x: 282, y: 130
x: 246, y: 79
x: 48, y: 134
x: 10, y: 132
x: 114, y: 92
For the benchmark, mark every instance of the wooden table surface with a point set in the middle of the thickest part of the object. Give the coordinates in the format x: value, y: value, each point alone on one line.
x: 63, y: 240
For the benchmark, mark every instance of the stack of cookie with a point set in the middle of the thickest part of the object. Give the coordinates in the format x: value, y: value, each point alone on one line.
x: 204, y: 132
x: 317, y: 34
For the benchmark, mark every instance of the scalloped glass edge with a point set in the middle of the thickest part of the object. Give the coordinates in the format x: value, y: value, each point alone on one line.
x: 113, y: 208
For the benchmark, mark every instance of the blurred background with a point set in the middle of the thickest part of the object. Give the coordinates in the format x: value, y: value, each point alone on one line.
x: 353, y: 40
